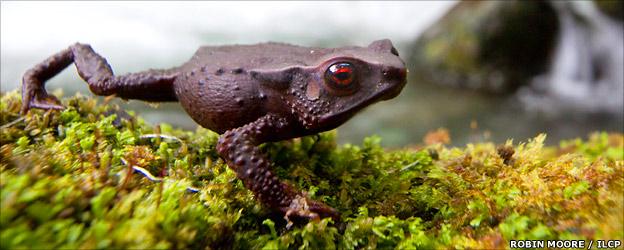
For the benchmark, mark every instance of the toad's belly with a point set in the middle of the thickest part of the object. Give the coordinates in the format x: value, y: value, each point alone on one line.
x: 219, y: 105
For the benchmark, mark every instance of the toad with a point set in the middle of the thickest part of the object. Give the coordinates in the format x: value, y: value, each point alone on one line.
x: 249, y: 94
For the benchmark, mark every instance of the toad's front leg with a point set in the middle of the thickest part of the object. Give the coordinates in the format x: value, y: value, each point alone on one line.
x: 239, y: 149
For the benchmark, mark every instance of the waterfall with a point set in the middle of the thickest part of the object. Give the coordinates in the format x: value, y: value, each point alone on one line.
x: 586, y: 73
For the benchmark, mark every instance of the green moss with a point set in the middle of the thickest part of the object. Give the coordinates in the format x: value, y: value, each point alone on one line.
x: 67, y: 181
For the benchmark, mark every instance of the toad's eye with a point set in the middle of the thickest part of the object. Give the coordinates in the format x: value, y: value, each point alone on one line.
x: 340, y: 75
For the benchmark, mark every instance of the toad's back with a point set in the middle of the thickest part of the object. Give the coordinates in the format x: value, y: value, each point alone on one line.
x: 215, y: 86
x: 258, y: 56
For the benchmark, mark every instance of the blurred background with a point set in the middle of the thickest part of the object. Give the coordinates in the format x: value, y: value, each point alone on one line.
x: 488, y: 70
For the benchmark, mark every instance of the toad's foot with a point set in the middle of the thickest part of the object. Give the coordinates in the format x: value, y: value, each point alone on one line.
x: 39, y: 99
x: 306, y: 208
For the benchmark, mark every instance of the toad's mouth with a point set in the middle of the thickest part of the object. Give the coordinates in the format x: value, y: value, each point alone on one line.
x: 385, y: 92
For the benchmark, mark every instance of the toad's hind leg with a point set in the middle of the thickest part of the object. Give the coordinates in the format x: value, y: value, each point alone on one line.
x: 152, y: 85
x: 239, y: 148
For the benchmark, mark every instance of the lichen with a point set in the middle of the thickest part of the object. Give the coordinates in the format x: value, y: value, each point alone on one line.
x: 96, y: 176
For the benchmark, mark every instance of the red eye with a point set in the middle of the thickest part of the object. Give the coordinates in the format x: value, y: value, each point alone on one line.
x: 340, y: 75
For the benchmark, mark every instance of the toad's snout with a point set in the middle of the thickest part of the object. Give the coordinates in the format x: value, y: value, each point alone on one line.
x: 395, y: 78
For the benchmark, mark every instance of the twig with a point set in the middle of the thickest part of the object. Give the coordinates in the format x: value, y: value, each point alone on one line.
x: 12, y: 123
x: 153, y: 178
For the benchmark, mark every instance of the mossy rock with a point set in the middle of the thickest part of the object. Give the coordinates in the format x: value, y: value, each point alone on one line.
x: 495, y: 46
x: 94, y: 176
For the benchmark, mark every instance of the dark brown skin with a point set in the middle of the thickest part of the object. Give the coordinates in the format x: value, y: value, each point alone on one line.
x: 250, y: 94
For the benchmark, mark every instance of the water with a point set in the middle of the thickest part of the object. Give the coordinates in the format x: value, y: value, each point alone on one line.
x: 586, y: 74
x: 582, y: 92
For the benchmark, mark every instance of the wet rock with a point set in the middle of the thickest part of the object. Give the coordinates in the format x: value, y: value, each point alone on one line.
x: 613, y: 8
x: 496, y: 46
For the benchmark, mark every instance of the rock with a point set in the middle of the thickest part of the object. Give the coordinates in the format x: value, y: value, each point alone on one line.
x: 613, y: 8
x: 496, y: 46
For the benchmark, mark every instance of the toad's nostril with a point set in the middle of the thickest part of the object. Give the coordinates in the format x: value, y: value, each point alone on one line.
x: 392, y: 73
